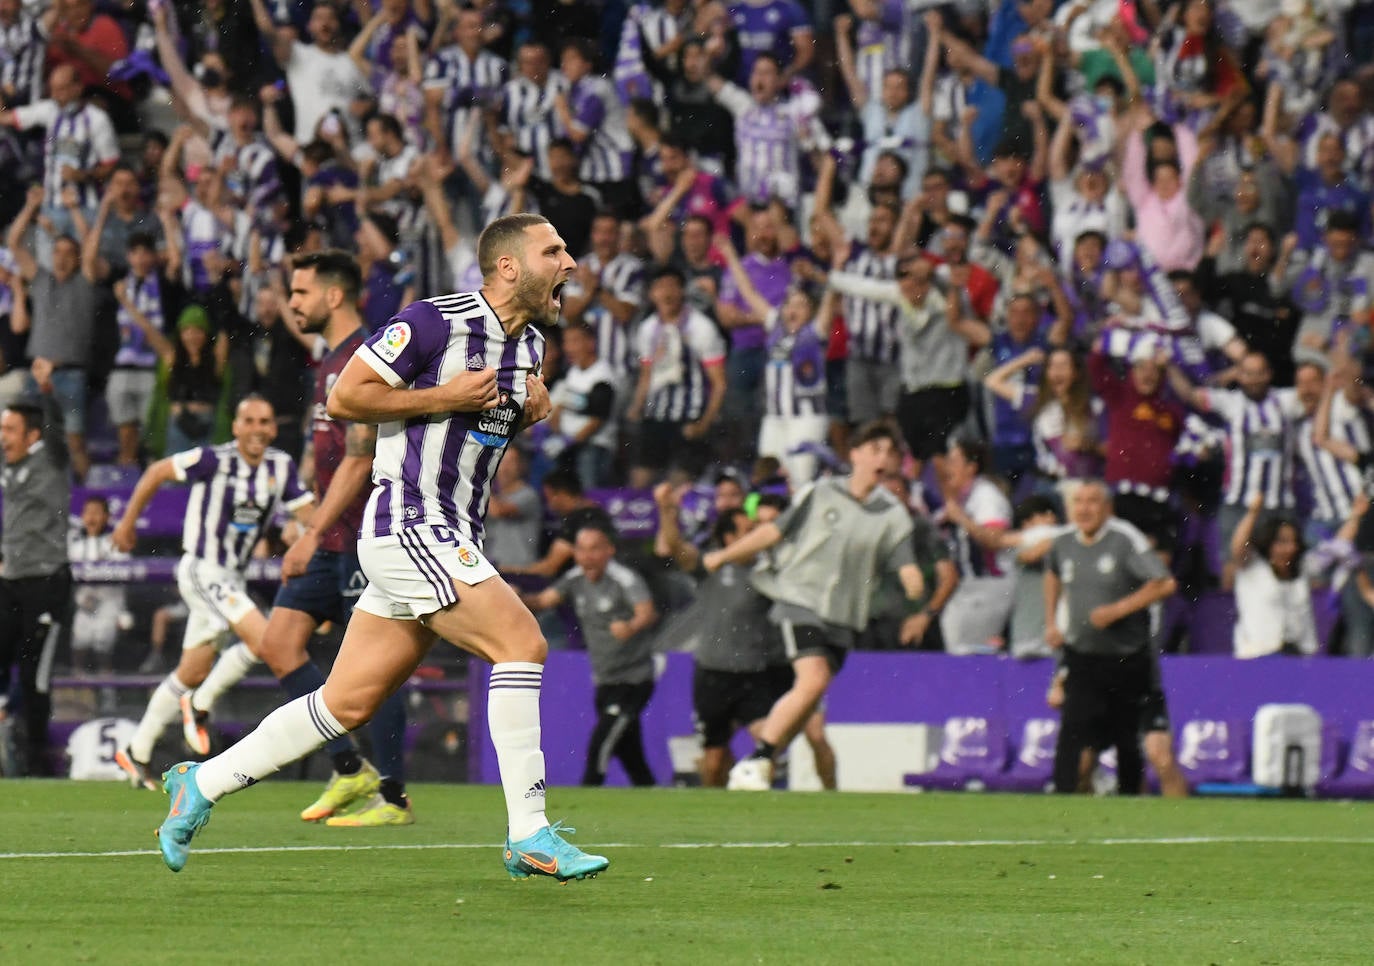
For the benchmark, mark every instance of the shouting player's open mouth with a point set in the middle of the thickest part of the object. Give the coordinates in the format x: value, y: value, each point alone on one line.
x: 556, y: 296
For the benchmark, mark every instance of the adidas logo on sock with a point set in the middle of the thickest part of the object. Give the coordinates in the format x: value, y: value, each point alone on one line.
x: 536, y: 790
x: 244, y: 780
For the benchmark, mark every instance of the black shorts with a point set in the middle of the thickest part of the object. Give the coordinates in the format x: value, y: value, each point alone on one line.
x: 807, y: 640
x: 1154, y: 713
x: 724, y: 701
x: 615, y: 699
x: 928, y: 417
x: 1103, y: 694
x: 327, y: 591
x: 780, y: 678
x: 662, y: 447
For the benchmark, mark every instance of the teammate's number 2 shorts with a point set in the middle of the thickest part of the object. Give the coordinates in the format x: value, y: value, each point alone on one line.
x: 216, y: 599
x: 412, y: 573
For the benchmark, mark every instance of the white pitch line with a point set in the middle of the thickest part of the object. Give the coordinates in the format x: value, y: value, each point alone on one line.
x: 908, y: 844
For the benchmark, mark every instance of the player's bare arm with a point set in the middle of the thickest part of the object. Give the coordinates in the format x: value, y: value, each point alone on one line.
x: 361, y: 395
x: 755, y: 542
x: 350, y: 479
x: 125, y: 535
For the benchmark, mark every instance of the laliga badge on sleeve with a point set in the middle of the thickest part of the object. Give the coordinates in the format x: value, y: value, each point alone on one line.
x: 393, y: 340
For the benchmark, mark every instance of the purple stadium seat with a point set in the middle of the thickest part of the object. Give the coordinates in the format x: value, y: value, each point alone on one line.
x: 974, y: 750
x: 1032, y: 770
x: 1214, y: 750
x: 1356, y: 779
x: 1213, y: 626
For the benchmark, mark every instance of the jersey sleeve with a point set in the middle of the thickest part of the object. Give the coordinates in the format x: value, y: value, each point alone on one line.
x: 1052, y: 557
x: 988, y: 507
x: 293, y: 495
x: 1229, y: 404
x: 635, y: 589
x: 600, y: 401
x: 405, y: 346
x: 707, y: 342
x: 195, y: 465
x: 1145, y: 565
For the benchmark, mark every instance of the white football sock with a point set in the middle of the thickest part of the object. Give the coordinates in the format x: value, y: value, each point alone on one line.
x: 164, y: 707
x: 291, y: 732
x: 513, y: 720
x: 231, y: 668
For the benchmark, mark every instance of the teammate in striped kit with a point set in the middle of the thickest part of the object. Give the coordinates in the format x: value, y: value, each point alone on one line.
x: 451, y: 381
x: 235, y: 490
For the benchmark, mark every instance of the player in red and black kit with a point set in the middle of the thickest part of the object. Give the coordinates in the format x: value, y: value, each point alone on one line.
x: 321, y: 575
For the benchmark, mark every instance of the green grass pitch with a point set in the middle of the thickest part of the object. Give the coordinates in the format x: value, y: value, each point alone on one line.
x: 695, y: 877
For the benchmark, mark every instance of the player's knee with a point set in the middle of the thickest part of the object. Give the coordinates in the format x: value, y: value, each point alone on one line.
x: 352, y: 711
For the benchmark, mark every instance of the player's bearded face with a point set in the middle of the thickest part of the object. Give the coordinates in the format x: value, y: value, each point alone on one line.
x: 538, y: 295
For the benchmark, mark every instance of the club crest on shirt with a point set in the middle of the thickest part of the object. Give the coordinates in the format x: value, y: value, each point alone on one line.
x: 1106, y: 565
x: 393, y: 340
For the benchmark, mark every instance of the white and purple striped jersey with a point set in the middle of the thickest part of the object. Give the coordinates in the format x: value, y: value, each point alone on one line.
x: 623, y: 277
x: 1358, y: 140
x: 251, y: 177
x: 676, y: 355
x: 872, y: 325
x: 135, y: 352
x: 404, y: 207
x: 527, y: 111
x: 469, y: 84
x: 769, y: 141
x: 201, y: 234
x: 79, y: 136
x: 882, y: 45
x: 794, y: 379
x: 232, y: 501
x: 598, y: 113
x: 987, y: 506
x: 23, y: 49
x: 437, y: 470
x: 1335, y: 483
x: 1259, y: 452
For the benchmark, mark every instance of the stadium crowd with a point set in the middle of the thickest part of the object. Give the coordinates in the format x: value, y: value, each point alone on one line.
x: 1123, y: 240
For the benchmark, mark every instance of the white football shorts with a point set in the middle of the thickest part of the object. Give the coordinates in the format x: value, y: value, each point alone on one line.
x: 412, y: 573
x: 216, y: 599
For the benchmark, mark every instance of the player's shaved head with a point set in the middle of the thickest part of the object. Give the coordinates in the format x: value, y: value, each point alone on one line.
x: 504, y: 236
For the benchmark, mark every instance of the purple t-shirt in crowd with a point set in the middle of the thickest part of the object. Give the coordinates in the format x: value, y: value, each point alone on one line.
x: 771, y: 278
x: 766, y: 29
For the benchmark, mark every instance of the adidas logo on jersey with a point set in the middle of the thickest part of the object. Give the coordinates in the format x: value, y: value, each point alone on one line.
x: 477, y: 362
x: 536, y: 790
